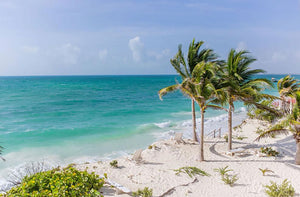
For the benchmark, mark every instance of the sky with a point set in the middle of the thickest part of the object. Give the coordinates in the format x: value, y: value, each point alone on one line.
x: 129, y: 37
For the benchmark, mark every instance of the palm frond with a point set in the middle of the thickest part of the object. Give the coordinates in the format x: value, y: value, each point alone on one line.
x: 272, y: 132
x: 217, y: 107
x: 168, y: 89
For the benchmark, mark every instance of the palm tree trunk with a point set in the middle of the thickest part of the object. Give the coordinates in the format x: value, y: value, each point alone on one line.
x: 297, y: 159
x: 230, y: 125
x: 202, y: 136
x: 194, y: 121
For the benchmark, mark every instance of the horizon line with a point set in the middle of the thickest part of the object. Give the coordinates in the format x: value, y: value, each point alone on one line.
x: 124, y: 75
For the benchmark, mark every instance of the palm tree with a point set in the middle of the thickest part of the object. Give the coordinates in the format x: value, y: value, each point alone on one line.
x: 201, y: 87
x: 185, y: 68
x: 291, y: 123
x: 287, y: 86
x: 240, y: 85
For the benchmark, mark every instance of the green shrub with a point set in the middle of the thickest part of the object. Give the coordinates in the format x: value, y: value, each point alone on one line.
x: 67, y: 182
x: 146, y: 192
x: 264, y: 171
x: 223, y: 171
x: 114, y: 163
x: 225, y: 177
x: 229, y: 179
x: 191, y: 171
x: 269, y: 151
x: 283, y: 190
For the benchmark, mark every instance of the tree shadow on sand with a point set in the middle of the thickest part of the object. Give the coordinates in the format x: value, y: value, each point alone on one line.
x: 285, y: 146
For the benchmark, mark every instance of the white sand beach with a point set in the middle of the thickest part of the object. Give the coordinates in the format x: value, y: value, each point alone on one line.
x: 157, y: 169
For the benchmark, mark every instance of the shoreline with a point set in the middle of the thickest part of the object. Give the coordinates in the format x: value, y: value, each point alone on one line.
x: 109, y: 150
x: 157, y: 171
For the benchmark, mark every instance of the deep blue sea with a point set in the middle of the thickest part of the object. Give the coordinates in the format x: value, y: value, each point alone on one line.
x: 65, y: 119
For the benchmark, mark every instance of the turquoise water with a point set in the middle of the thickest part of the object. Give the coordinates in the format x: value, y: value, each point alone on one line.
x: 78, y: 118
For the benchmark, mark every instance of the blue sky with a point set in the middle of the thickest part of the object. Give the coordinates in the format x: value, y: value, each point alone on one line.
x: 94, y: 37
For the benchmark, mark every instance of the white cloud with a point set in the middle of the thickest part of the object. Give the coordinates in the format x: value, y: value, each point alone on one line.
x: 102, y: 54
x: 241, y: 46
x: 30, y: 49
x: 136, y: 46
x: 69, y: 53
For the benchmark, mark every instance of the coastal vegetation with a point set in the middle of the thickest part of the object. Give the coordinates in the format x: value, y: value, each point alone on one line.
x: 146, y: 192
x: 262, y: 114
x: 265, y: 170
x: 280, y: 190
x: 203, y: 89
x: 191, y: 171
x: 114, y: 164
x: 223, y: 171
x: 229, y: 179
x: 287, y: 87
x: 59, y: 182
x: 185, y: 69
x: 239, y: 83
x: 269, y: 151
x: 213, y: 83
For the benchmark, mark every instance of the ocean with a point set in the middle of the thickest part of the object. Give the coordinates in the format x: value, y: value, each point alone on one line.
x: 65, y: 119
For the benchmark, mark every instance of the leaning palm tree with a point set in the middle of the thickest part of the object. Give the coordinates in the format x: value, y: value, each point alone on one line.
x: 201, y: 87
x: 185, y: 68
x: 240, y: 85
x: 291, y: 123
x: 286, y: 87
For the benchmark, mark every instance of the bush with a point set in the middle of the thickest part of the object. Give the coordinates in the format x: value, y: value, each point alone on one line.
x: 146, y: 192
x: 63, y: 183
x: 114, y: 164
x: 283, y: 190
x: 225, y: 177
x: 229, y: 179
x: 269, y: 151
x: 191, y: 171
x: 223, y: 171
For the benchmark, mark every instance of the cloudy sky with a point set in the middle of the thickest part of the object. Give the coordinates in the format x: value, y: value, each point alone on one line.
x: 94, y: 37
